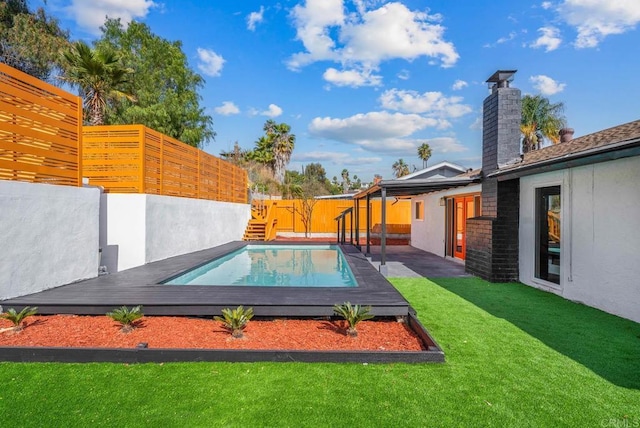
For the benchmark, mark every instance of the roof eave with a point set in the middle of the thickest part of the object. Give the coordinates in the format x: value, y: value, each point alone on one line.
x: 599, y: 154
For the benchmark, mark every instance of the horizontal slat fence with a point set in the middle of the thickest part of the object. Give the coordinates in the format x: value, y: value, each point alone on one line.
x: 326, y: 210
x: 136, y: 159
x: 40, y: 131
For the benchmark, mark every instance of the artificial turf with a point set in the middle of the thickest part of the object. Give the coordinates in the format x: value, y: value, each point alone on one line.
x: 516, y: 356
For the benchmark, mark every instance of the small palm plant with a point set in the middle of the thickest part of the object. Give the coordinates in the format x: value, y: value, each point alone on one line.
x: 126, y: 317
x: 235, y: 320
x: 17, y: 318
x: 353, y: 314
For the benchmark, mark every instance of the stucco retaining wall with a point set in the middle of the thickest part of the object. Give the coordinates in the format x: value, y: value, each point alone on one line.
x: 49, y: 236
x: 139, y: 229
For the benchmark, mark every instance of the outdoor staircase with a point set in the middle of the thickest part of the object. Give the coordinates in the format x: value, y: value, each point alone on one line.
x: 262, y: 225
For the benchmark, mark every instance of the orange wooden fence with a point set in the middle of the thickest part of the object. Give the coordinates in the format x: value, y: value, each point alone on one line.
x: 326, y: 210
x: 136, y: 159
x: 40, y: 131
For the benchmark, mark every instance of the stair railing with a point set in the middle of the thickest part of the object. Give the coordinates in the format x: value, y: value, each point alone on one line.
x: 271, y: 222
x: 342, y: 225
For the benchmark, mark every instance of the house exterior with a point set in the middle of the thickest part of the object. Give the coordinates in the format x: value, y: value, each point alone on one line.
x: 564, y: 218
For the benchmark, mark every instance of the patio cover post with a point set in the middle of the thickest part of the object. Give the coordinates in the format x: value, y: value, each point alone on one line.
x: 344, y: 228
x: 357, y: 203
x: 368, y: 252
x: 351, y: 227
x: 383, y: 234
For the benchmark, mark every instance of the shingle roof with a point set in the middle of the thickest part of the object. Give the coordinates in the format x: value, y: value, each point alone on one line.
x: 618, y: 134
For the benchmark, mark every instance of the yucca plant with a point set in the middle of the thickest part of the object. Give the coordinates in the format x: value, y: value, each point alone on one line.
x: 17, y: 318
x: 353, y: 314
x: 235, y: 320
x: 126, y: 317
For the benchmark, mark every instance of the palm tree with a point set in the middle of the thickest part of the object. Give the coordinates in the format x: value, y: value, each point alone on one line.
x: 400, y: 168
x: 345, y: 180
x: 99, y: 75
x: 424, y: 153
x: 540, y: 118
x: 282, y: 143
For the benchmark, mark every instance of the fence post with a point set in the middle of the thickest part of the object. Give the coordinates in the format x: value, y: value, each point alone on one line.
x: 80, y: 141
x: 198, y: 174
x: 142, y: 138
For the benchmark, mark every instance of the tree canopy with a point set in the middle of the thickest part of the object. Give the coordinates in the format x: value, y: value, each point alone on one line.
x: 424, y: 153
x: 30, y: 41
x: 165, y: 87
x: 274, y: 148
x: 99, y: 75
x: 400, y: 168
x: 540, y: 119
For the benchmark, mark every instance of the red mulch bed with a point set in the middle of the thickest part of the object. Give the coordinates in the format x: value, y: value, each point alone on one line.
x: 198, y: 333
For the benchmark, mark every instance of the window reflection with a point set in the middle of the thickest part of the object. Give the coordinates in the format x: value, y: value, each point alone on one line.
x: 548, y: 235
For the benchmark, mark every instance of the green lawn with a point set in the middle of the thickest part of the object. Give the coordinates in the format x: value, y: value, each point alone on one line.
x: 516, y: 357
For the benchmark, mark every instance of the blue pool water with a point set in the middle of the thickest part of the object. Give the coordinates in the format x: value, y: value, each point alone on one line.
x: 274, y: 266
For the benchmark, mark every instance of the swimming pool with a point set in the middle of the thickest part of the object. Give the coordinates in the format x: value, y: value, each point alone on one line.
x: 274, y: 266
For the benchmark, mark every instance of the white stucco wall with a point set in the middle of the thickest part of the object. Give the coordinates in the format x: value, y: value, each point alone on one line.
x: 123, y: 231
x: 599, y: 264
x: 429, y: 234
x: 49, y: 236
x: 145, y: 228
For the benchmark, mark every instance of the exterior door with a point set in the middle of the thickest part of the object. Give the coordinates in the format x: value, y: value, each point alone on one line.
x: 464, y: 208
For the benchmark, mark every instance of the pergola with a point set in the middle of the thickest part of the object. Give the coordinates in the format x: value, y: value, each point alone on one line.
x: 398, y: 189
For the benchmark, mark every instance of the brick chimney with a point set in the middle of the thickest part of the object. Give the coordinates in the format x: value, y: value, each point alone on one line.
x: 492, y: 240
x: 501, y: 122
x: 566, y: 135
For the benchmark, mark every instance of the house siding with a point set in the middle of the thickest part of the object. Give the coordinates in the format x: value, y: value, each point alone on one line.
x: 600, y: 235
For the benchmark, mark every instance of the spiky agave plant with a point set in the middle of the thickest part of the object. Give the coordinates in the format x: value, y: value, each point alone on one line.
x: 17, y: 318
x: 126, y: 317
x: 353, y: 314
x: 235, y: 320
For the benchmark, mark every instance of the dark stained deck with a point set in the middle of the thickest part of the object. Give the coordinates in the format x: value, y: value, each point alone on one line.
x: 141, y: 286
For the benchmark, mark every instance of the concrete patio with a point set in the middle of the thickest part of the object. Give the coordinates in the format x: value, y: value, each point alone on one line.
x: 407, y: 261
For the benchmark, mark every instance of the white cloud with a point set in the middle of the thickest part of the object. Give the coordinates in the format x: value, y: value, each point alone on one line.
x: 459, y: 84
x: 353, y: 78
x: 372, y: 126
x: 512, y: 35
x: 445, y: 145
x: 546, y: 5
x: 546, y: 85
x: 477, y: 124
x: 549, y: 39
x: 362, y: 39
x: 433, y: 104
x: 394, y: 31
x: 272, y: 111
x: 313, y: 22
x: 227, y: 109
x: 596, y: 19
x: 210, y: 62
x: 90, y: 15
x: 255, y: 18
x: 335, y: 158
x: 404, y: 74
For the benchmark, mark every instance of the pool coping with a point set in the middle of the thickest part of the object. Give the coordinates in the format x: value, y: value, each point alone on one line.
x: 141, y: 286
x: 433, y: 354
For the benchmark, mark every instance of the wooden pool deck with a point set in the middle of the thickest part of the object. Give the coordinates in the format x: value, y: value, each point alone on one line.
x: 141, y: 286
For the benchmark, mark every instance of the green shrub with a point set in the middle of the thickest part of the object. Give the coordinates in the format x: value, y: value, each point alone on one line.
x: 17, y: 318
x: 235, y: 320
x: 353, y: 314
x: 126, y: 317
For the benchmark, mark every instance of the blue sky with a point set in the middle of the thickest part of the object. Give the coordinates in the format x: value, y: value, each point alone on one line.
x: 364, y: 83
